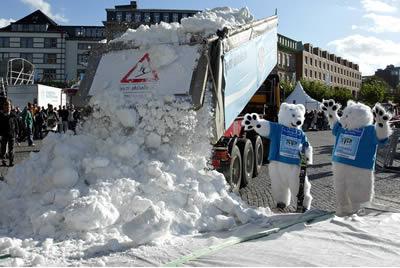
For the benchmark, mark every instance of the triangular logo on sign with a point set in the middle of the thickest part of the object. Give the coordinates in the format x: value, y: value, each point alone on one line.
x: 142, y: 72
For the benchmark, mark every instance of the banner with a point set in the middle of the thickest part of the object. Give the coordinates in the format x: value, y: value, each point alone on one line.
x: 245, y: 69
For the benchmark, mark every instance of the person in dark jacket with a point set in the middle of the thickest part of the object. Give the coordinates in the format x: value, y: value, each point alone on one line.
x: 9, y: 131
x: 40, y: 119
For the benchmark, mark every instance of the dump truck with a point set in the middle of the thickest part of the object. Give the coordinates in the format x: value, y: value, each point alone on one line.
x: 234, y: 64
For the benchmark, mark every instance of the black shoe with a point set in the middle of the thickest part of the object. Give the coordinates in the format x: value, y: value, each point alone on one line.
x: 281, y: 205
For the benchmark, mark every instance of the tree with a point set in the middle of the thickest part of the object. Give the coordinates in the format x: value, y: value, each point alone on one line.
x: 287, y: 87
x: 316, y: 89
x: 373, y: 90
x: 341, y: 95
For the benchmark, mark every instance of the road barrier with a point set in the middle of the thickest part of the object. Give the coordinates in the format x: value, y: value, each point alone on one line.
x: 388, y: 155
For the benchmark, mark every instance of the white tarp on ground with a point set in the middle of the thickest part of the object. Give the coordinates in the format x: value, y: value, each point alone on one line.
x: 371, y: 240
x: 299, y: 96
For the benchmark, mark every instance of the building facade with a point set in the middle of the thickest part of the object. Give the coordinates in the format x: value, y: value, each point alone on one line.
x: 287, y: 51
x: 122, y: 17
x: 58, y: 52
x: 316, y: 64
x: 391, y: 75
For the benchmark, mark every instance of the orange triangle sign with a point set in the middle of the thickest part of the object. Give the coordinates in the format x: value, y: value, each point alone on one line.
x: 142, y: 72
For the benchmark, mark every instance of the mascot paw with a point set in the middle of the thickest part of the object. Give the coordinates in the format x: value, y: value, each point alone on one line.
x: 380, y: 115
x: 330, y: 106
x: 251, y: 121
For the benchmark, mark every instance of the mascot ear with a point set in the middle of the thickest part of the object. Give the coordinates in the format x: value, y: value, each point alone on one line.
x: 350, y: 103
x: 284, y: 106
x: 302, y: 108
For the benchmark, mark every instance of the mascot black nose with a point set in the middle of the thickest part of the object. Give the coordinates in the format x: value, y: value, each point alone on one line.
x: 298, y: 123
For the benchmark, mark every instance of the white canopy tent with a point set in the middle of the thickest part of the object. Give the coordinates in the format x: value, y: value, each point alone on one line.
x: 299, y: 96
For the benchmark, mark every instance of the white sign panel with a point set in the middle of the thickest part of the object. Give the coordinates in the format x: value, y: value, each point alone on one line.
x: 163, y: 70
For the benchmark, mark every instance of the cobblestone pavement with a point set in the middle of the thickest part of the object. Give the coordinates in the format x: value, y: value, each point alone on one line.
x: 21, y: 152
x: 387, y: 185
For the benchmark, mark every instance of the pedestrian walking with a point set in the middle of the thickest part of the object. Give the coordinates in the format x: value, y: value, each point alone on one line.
x: 63, y: 113
x: 28, y: 119
x: 9, y: 129
x: 40, y: 119
x: 52, y: 119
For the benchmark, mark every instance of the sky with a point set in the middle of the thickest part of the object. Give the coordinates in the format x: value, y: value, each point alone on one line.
x: 363, y: 31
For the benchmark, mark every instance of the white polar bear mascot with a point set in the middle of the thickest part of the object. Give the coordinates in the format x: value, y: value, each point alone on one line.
x: 353, y: 157
x: 287, y: 140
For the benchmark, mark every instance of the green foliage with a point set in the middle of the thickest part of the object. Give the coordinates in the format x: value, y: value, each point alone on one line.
x: 341, y: 95
x: 318, y: 91
x: 287, y: 87
x: 373, y: 90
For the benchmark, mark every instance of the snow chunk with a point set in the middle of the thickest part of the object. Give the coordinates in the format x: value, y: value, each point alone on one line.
x: 148, y: 226
x: 91, y: 212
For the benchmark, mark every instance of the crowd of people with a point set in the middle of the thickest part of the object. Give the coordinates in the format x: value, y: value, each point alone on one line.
x: 315, y: 120
x: 32, y: 123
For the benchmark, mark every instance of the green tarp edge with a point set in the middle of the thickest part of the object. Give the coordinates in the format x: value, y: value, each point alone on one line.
x: 307, y: 217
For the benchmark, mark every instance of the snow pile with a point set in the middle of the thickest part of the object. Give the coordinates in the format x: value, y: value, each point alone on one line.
x: 205, y: 24
x: 135, y: 173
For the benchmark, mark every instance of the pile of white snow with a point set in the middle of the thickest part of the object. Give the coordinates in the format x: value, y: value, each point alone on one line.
x: 204, y: 24
x: 135, y: 174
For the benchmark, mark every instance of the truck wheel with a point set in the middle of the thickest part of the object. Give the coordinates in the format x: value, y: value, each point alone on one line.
x: 258, y: 155
x: 234, y: 176
x: 246, y: 148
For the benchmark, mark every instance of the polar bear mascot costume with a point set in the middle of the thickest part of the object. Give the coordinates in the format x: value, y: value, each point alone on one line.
x: 353, y: 157
x: 287, y: 141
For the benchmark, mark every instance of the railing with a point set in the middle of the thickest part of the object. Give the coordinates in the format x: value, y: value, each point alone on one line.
x: 388, y: 155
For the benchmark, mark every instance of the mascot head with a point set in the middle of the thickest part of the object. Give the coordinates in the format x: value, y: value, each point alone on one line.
x: 291, y: 115
x: 356, y: 115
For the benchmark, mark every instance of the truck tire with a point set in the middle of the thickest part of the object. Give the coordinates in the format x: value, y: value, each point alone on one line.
x: 258, y: 155
x: 246, y: 149
x: 234, y: 176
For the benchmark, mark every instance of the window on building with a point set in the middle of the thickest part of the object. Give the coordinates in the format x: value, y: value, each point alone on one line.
x: 50, y: 58
x: 4, y: 42
x: 119, y: 16
x: 27, y: 56
x: 335, y: 69
x: 157, y: 17
x: 306, y: 59
x: 85, y: 46
x: 287, y: 60
x: 315, y: 74
x: 80, y: 31
x: 26, y: 42
x: 331, y: 79
x: 4, y: 55
x: 305, y: 72
x: 316, y: 62
x: 175, y: 17
x: 334, y: 79
x: 323, y: 65
x: 147, y: 17
x: 279, y: 58
x: 80, y: 74
x: 324, y: 76
x: 128, y: 17
x: 50, y: 42
x: 49, y: 74
x: 138, y: 17
x: 184, y: 15
x: 166, y: 17
x: 82, y: 59
x: 319, y: 64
